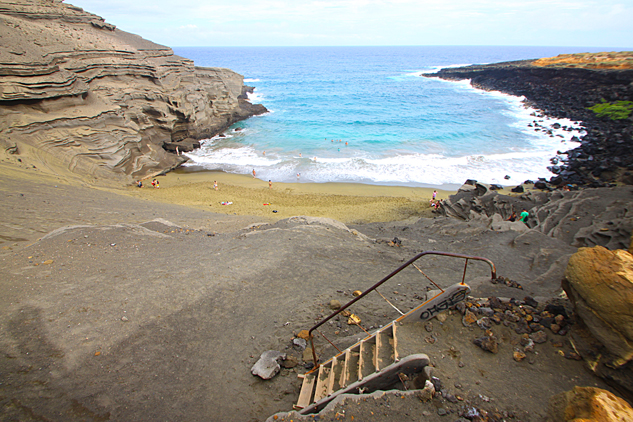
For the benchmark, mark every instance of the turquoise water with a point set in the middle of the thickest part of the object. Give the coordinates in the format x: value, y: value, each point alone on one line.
x: 366, y: 114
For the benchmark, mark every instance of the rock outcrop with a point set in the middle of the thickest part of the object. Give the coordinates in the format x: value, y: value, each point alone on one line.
x: 606, y: 152
x: 600, y: 285
x: 582, y: 218
x: 588, y: 404
x: 76, y: 93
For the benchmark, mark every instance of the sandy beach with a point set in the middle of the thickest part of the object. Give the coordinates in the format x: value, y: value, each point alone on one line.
x: 346, y: 202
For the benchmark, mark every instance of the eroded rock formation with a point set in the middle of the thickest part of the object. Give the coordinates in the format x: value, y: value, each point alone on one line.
x: 588, y: 217
x: 79, y: 94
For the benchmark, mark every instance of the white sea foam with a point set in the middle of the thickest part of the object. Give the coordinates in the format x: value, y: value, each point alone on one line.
x: 410, y: 169
x: 251, y: 80
x: 255, y: 97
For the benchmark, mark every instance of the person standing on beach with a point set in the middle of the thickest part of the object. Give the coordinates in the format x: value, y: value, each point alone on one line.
x: 215, y: 184
x: 253, y: 173
x: 270, y: 184
x: 434, y: 194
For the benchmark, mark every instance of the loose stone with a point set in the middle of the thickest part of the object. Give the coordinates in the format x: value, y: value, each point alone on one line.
x: 518, y: 356
x: 488, y: 343
x: 469, y: 318
x: 539, y: 337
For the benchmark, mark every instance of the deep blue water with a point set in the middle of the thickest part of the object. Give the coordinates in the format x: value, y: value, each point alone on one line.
x: 401, y: 128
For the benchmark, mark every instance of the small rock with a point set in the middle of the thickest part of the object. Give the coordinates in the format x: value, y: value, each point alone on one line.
x: 460, y: 364
x: 529, y: 347
x: 495, y: 303
x: 560, y: 319
x: 442, y: 412
x: 488, y: 343
x: 530, y: 301
x: 539, y: 337
x: 441, y: 317
x: 485, y: 311
x: 290, y: 362
x: 573, y: 355
x: 510, y: 316
x: 335, y: 305
x: 307, y: 355
x: 427, y: 392
x: 436, y: 383
x: 522, y: 327
x: 304, y: 334
x: 518, y: 355
x: 124, y: 319
x: 428, y: 327
x: 451, y: 398
x: 484, y: 323
x: 469, y: 318
x: 299, y: 343
x: 460, y: 307
x: 268, y: 364
x: 496, y: 318
x: 555, y: 328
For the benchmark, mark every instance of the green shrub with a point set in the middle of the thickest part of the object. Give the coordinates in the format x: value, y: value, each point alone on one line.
x: 615, y: 111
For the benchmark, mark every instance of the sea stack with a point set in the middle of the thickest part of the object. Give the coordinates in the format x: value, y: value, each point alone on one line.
x: 79, y: 96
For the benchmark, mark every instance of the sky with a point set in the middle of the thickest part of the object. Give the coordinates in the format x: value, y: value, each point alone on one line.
x: 210, y: 23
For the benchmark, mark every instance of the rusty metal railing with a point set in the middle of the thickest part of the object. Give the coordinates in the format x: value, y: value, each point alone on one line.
x: 493, y: 272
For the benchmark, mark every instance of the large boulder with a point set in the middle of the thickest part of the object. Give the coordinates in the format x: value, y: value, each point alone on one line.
x: 600, y: 284
x: 588, y: 404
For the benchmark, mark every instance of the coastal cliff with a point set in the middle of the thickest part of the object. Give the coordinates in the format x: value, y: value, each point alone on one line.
x: 79, y: 95
x: 564, y: 87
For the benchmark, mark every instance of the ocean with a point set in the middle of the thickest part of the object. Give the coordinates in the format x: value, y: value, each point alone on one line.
x: 368, y: 115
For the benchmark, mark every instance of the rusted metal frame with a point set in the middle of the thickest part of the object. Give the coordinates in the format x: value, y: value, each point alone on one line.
x: 465, y: 266
x: 493, y: 272
x: 429, y: 278
x: 328, y: 340
x: 387, y: 300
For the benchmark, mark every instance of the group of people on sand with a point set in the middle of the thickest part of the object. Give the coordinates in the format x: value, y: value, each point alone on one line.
x: 155, y: 184
x: 434, y: 202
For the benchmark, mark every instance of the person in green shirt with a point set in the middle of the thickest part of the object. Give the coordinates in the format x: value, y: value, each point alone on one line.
x: 524, y: 215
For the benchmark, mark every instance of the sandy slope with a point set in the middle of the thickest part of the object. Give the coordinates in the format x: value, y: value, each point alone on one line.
x: 104, y: 318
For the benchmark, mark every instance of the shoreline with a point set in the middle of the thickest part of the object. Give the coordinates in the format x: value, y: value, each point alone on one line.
x: 245, y: 195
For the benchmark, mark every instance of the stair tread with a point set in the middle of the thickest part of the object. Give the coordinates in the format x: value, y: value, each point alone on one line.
x: 323, y: 380
x: 307, y: 387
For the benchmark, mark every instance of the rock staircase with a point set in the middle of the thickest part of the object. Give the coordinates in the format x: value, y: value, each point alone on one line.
x: 373, y: 363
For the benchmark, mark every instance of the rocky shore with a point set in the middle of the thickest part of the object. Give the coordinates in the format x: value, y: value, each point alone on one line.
x: 86, y: 99
x: 605, y: 155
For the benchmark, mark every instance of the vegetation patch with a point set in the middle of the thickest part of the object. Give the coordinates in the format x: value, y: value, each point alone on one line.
x: 618, y: 110
x: 606, y: 60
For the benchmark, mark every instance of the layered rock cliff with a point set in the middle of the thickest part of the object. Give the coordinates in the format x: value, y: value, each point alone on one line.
x: 76, y: 93
x: 560, y: 90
